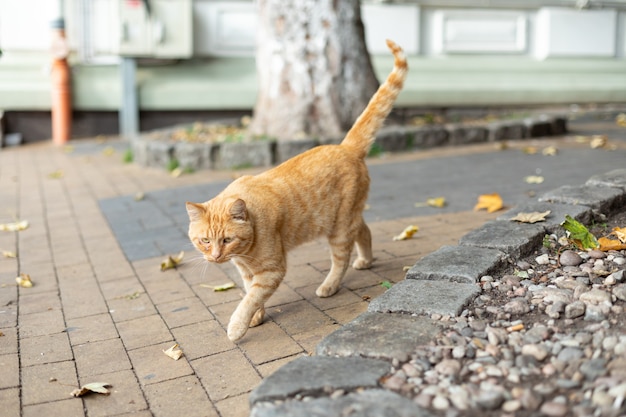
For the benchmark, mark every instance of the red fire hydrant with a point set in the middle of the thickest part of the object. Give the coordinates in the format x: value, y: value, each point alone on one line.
x: 61, y: 86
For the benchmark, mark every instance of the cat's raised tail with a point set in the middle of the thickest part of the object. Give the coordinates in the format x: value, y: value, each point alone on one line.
x: 363, y: 133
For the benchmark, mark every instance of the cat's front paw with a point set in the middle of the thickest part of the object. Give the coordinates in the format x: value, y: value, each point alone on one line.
x: 362, y: 263
x: 326, y: 290
x: 236, y: 330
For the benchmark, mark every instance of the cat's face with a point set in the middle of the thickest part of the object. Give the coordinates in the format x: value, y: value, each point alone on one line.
x: 220, y: 230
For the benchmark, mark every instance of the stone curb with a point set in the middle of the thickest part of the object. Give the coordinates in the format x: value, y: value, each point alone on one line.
x: 443, y: 282
x: 153, y: 150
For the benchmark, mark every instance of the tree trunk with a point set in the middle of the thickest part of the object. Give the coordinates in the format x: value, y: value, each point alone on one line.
x: 315, y: 74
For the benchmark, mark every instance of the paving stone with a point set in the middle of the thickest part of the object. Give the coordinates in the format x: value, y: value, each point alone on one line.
x: 425, y: 297
x: 47, y: 382
x: 298, y: 317
x: 126, y: 395
x: 152, y: 365
x: 179, y: 397
x: 10, y: 375
x: 369, y: 403
x: 194, y: 156
x: 457, y: 263
x: 378, y: 335
x: 71, y: 407
x: 124, y: 309
x: 202, y: 339
x: 101, y: 357
x: 160, y: 153
x: 513, y: 238
x: 323, y: 375
x: 41, y: 324
x: 183, y: 312
x: 8, y: 342
x: 91, y: 329
x: 267, y: 343
x: 462, y: 134
x: 603, y: 199
x: 538, y: 126
x: 145, y: 331
x: 223, y: 382
x: 557, y: 214
x: 615, y: 178
x: 10, y: 401
x: 392, y: 139
x: 288, y: 149
x: 45, y: 349
x: 239, y: 155
x: 505, y: 130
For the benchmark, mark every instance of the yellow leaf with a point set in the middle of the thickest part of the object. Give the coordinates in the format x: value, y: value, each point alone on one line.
x: 490, y: 202
x: 24, y: 281
x: 534, y: 179
x: 550, y: 151
x: 620, y: 119
x: 172, y: 261
x: 598, y: 141
x: 174, y: 352
x: 8, y: 254
x: 56, y: 174
x: 438, y: 202
x: 97, y: 387
x: 607, y: 244
x: 530, y: 150
x: 620, y: 233
x: 15, y: 226
x: 139, y: 196
x: 533, y: 217
x: 407, y: 233
x: 224, y: 287
x: 108, y: 151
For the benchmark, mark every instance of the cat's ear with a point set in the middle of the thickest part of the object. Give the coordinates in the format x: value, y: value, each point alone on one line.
x: 238, y: 210
x: 196, y: 211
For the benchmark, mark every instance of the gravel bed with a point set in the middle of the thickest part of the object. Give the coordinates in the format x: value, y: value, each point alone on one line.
x: 545, y: 337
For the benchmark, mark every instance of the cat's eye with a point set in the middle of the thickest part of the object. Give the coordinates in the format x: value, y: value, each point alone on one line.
x: 227, y: 240
x: 205, y: 240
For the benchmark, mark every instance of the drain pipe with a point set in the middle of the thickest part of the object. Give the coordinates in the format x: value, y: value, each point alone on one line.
x: 61, y: 82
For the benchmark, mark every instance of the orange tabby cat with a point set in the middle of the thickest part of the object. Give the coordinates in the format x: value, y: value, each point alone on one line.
x: 256, y: 220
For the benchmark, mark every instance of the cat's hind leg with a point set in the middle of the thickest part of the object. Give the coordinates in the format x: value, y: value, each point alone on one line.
x: 363, y: 243
x: 341, y: 248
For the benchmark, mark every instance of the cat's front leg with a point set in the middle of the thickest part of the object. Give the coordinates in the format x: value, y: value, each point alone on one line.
x: 250, y: 310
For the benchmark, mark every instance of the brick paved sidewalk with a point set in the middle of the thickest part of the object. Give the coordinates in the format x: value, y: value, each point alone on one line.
x: 98, y: 313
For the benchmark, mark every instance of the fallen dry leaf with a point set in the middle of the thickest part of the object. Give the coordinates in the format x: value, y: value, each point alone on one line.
x: 620, y: 233
x: 224, y: 287
x: 530, y: 150
x: 550, y: 151
x: 172, y: 261
x: 532, y: 217
x: 598, y: 141
x: 490, y: 202
x: 607, y: 244
x: 176, y: 172
x: 174, y: 352
x: 56, y: 174
x: 15, y: 226
x: 108, y: 151
x: 139, y: 196
x: 97, y: 387
x: 8, y: 254
x: 534, y: 179
x: 620, y: 119
x: 438, y: 202
x: 407, y: 233
x: 24, y: 281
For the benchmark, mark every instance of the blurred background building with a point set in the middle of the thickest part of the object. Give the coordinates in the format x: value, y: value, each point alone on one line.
x: 165, y: 61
